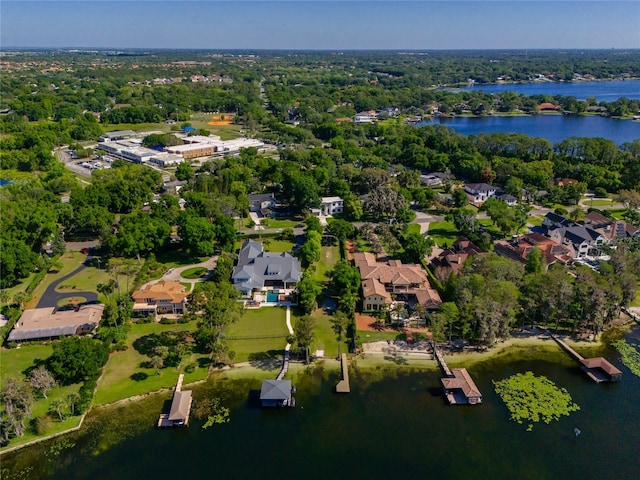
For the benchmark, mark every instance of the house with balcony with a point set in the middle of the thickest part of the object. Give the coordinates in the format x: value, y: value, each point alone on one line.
x: 331, y: 205
x: 387, y: 281
x: 271, y: 276
x: 478, y: 193
x: 160, y: 298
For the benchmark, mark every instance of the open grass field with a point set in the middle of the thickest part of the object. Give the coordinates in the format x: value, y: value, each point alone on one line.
x: 259, y: 334
x: 13, y: 364
x: 178, y: 258
x: 367, y: 336
x: 125, y: 376
x: 535, y: 220
x: 443, y: 232
x: 280, y: 223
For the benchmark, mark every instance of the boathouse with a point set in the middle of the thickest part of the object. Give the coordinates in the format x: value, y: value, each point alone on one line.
x: 600, y: 369
x: 180, y: 407
x: 276, y: 393
x: 460, y: 389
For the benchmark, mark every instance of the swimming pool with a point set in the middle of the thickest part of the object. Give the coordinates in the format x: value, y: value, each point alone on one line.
x: 272, y: 296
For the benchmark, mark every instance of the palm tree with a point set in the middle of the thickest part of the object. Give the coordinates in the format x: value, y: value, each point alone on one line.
x: 340, y: 323
x: 57, y: 406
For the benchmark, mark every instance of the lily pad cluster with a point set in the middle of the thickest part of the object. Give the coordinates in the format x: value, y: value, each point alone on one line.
x: 531, y: 399
x: 630, y: 355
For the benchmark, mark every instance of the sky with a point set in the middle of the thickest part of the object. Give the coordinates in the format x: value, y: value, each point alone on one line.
x: 321, y: 24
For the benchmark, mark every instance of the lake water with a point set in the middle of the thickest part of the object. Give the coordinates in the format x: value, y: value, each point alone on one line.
x: 394, y: 425
x: 554, y: 128
x: 602, y: 91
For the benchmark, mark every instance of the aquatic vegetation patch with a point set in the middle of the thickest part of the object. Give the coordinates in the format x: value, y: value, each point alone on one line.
x: 212, y: 410
x: 630, y: 355
x: 533, y: 399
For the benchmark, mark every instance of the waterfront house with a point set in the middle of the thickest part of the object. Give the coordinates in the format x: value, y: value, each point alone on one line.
x: 451, y: 260
x: 519, y: 249
x: 161, y: 297
x: 384, y: 281
x: 257, y: 270
x: 50, y: 322
x: 276, y: 393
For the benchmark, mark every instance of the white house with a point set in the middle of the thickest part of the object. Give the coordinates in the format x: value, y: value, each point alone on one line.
x: 479, y: 193
x: 331, y: 205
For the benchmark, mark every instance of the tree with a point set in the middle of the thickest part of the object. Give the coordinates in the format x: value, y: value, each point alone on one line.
x: 42, y: 381
x: 198, y: 234
x: 73, y: 399
x: 304, y: 334
x: 308, y: 290
x: 340, y: 322
x: 75, y: 359
x: 156, y: 362
x: 18, y: 401
x: 341, y: 229
x: 535, y: 261
x: 58, y: 406
x: 313, y: 224
x: 383, y: 203
x: 416, y: 246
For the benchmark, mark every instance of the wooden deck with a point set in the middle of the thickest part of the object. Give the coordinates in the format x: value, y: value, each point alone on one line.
x: 440, y: 358
x: 343, y: 385
x: 457, y: 385
x: 598, y: 369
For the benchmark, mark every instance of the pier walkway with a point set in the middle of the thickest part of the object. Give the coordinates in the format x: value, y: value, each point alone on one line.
x: 438, y: 355
x: 343, y: 385
x: 285, y: 362
x: 180, y: 407
x: 598, y: 369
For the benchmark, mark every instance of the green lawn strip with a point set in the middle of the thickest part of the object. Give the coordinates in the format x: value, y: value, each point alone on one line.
x: 178, y: 258
x: 137, y: 127
x: 535, y: 220
x: 13, y: 363
x: 69, y: 261
x: 325, y: 338
x: 491, y: 228
x: 365, y: 336
x: 193, y: 273
x: 20, y: 287
x: 413, y: 228
x: 273, y: 245
x: 329, y: 256
x: 443, y: 232
x: 260, y: 333
x: 280, y: 223
x: 117, y: 382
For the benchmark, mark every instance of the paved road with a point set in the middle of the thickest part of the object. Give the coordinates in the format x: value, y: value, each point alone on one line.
x: 50, y: 297
x: 175, y: 274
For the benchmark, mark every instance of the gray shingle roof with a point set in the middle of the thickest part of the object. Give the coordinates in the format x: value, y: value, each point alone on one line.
x: 275, y: 390
x: 255, y: 266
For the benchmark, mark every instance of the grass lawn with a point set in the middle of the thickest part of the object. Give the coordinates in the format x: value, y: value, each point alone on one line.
x: 124, y: 376
x: 273, y: 245
x: 491, y: 228
x: 366, y: 336
x: 443, y: 232
x: 413, y: 228
x: 535, y: 220
x: 88, y: 279
x: 329, y: 256
x: 279, y: 223
x: 193, y: 273
x: 69, y: 261
x: 178, y: 258
x: 260, y: 333
x: 363, y: 245
x: 138, y: 127
x: 325, y: 338
x: 13, y: 363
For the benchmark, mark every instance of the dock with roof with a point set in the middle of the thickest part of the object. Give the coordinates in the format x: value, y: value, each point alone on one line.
x: 180, y: 407
x: 598, y: 369
x: 457, y: 384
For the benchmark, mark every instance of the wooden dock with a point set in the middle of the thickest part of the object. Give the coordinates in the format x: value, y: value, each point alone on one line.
x: 440, y: 358
x: 343, y: 385
x: 180, y: 407
x: 457, y: 384
x: 598, y: 369
x: 285, y: 363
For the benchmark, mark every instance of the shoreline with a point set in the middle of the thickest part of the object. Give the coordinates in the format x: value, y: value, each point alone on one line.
x: 375, y: 356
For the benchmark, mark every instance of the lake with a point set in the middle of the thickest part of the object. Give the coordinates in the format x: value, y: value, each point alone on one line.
x: 602, y: 91
x: 394, y: 425
x: 554, y: 128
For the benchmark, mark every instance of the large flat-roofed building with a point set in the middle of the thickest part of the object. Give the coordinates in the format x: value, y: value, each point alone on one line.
x: 130, y: 150
x: 193, y: 150
x: 48, y: 322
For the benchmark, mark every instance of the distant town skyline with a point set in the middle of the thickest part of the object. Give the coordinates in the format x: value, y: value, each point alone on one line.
x: 320, y: 25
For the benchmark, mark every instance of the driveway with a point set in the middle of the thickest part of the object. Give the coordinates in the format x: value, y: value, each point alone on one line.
x: 175, y: 274
x: 50, y: 297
